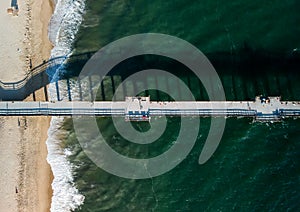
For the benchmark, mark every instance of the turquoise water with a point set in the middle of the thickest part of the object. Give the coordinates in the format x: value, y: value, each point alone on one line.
x: 256, y: 166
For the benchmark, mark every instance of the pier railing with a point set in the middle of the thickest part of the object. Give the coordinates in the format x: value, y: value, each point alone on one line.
x: 34, y: 72
x: 203, y: 112
x: 131, y: 110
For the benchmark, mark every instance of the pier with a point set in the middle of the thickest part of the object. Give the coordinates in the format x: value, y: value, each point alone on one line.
x: 142, y: 109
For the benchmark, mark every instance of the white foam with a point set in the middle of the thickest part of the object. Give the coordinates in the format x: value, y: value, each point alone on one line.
x: 63, y: 27
x: 65, y: 195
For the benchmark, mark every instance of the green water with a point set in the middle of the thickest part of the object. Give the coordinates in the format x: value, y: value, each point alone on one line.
x: 210, y: 25
x: 256, y: 166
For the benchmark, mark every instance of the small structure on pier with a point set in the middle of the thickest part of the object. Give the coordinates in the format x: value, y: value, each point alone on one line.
x: 268, y: 108
x: 137, y: 108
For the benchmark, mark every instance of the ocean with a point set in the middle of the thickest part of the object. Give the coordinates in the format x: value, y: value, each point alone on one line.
x: 254, y: 47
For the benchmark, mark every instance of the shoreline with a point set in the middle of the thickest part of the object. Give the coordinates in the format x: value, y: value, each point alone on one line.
x: 41, y: 50
x: 26, y: 175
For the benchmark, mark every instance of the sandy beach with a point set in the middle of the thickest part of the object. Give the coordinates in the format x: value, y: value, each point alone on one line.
x: 25, y: 177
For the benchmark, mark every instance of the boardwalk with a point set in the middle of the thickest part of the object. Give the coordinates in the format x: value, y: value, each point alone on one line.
x: 142, y: 108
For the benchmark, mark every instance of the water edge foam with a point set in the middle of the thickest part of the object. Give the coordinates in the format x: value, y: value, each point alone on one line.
x: 63, y: 27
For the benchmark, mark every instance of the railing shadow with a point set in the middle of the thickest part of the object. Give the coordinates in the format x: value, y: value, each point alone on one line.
x: 244, y: 75
x: 38, y: 77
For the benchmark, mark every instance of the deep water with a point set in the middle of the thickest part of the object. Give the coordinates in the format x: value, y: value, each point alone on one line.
x: 254, y: 46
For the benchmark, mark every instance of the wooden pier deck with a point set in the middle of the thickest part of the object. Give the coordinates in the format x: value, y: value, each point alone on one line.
x: 141, y: 108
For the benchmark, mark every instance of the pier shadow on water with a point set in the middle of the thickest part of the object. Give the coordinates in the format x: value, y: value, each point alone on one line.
x: 244, y: 75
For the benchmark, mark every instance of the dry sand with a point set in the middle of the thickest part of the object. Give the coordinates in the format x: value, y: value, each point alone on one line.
x: 25, y: 175
x: 9, y: 163
x: 12, y: 42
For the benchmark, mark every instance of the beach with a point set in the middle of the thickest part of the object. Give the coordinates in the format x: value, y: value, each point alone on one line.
x: 254, y: 51
x: 26, y: 177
